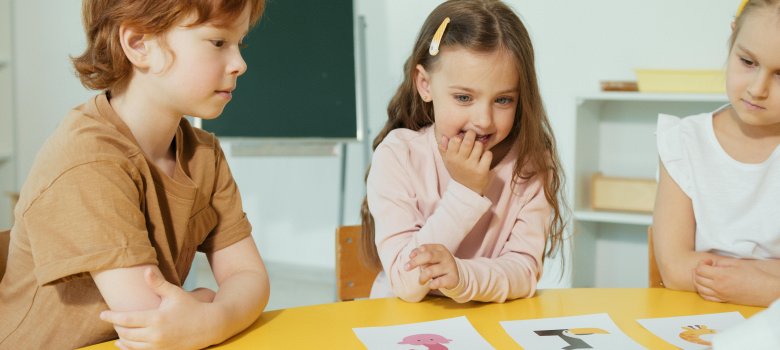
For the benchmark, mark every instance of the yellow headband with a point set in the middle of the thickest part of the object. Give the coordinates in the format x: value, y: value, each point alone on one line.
x: 436, y: 41
x: 742, y: 7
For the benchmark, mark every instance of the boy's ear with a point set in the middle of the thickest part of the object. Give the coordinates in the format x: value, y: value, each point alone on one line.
x: 135, y: 46
x: 733, y: 25
x: 422, y: 81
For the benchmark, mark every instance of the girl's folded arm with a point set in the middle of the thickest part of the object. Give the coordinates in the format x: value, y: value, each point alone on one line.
x: 515, y: 271
x: 674, y: 228
x: 400, y: 226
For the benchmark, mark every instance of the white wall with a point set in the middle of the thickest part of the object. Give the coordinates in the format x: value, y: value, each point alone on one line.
x: 292, y: 203
x: 46, y: 33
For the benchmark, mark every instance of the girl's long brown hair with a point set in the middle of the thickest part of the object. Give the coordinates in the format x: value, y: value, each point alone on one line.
x: 481, y: 26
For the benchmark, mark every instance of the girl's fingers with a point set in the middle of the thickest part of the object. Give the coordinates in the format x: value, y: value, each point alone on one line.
x: 709, y: 294
x: 476, y: 151
x: 467, y: 144
x: 433, y: 272
x: 420, y: 259
x: 486, y: 160
x: 705, y: 271
x: 702, y: 281
x: 424, y: 277
x: 443, y: 145
x: 703, y: 290
x: 446, y: 281
x: 454, y: 146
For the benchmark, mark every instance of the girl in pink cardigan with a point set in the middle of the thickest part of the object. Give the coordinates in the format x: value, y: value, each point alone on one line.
x: 463, y: 191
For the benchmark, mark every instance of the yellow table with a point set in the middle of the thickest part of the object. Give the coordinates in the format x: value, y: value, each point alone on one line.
x: 329, y: 326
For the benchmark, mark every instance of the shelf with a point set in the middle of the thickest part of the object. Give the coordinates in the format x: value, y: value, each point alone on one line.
x: 613, y: 217
x: 643, y: 96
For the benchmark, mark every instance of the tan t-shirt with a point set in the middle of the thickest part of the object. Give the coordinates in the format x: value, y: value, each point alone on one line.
x: 93, y: 202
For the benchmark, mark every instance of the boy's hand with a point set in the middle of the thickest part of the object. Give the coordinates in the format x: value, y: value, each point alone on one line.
x: 467, y: 161
x: 181, y: 321
x: 437, y: 266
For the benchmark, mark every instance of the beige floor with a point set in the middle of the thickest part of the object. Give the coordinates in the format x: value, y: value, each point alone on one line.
x: 291, y: 285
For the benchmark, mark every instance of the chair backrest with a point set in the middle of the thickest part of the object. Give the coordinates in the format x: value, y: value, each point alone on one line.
x: 5, y: 240
x: 353, y: 278
x: 654, y: 276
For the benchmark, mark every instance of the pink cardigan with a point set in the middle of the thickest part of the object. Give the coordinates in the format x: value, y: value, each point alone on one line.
x: 497, y: 239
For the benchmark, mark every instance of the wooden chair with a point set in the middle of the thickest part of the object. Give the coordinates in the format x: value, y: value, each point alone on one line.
x: 353, y: 278
x: 5, y: 240
x: 654, y: 276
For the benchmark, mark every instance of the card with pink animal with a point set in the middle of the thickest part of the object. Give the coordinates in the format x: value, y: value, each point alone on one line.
x: 596, y: 331
x: 447, y: 334
x: 691, y: 332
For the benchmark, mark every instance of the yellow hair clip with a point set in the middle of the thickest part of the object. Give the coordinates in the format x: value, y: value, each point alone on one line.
x: 436, y: 41
x: 742, y: 7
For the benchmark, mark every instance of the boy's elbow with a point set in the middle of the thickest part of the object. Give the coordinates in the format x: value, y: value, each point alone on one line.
x: 265, y: 291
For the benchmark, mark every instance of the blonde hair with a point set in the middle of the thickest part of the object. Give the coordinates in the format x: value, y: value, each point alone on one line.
x: 744, y: 11
x: 481, y: 26
x: 104, y: 66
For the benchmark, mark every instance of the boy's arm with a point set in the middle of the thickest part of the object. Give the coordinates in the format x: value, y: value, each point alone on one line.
x: 124, y: 289
x: 243, y: 282
x: 674, y: 228
x: 181, y: 320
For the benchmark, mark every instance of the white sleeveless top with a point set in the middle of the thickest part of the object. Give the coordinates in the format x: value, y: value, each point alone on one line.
x: 736, y: 205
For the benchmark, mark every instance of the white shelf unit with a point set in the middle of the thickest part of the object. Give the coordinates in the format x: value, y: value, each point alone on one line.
x: 615, y: 135
x: 7, y: 161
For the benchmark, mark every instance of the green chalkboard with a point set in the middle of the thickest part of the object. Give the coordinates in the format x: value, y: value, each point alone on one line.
x: 300, y: 81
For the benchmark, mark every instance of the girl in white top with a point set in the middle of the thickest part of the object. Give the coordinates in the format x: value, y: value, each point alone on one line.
x: 716, y: 229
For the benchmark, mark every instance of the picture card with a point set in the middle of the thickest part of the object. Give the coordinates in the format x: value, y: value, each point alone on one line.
x: 691, y: 332
x: 447, y: 334
x: 596, y: 331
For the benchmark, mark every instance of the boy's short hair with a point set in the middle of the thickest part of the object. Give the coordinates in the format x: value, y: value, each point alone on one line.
x: 104, y: 66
